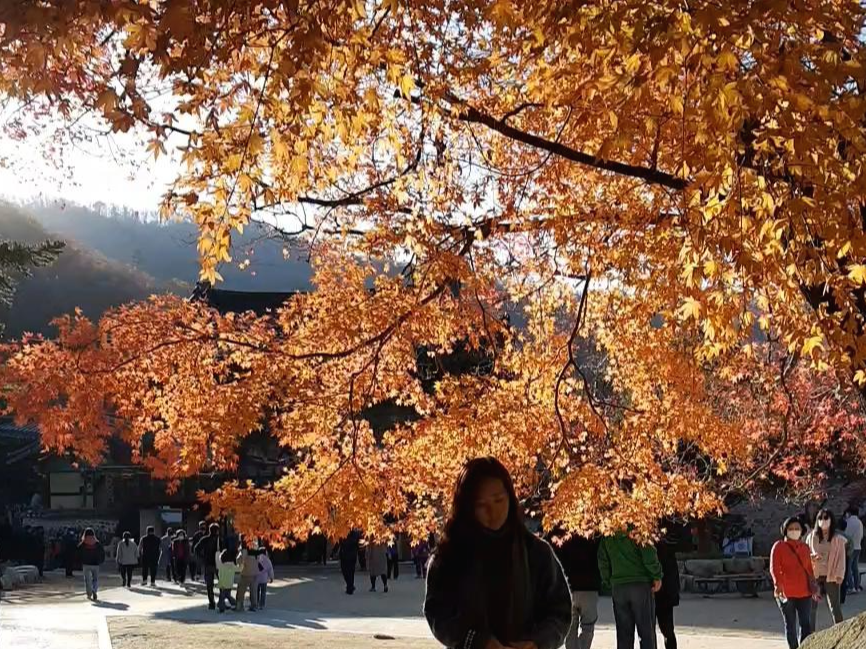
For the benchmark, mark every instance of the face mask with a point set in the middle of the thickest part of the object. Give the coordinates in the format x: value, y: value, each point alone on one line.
x: 825, y: 525
x: 794, y: 535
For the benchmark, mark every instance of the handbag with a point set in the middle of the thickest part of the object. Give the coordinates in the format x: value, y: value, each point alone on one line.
x: 813, y: 583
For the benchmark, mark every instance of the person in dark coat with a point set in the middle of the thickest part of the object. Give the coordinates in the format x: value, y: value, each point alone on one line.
x: 69, y: 548
x: 579, y: 557
x: 92, y: 556
x: 206, y: 551
x: 491, y: 583
x: 195, y: 563
x: 180, y: 552
x: 148, y: 551
x: 36, y: 549
x: 349, y: 558
x: 668, y: 597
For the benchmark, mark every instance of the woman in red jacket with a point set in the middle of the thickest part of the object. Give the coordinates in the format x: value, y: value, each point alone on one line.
x: 791, y: 568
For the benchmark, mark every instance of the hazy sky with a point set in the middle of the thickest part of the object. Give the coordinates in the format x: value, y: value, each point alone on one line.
x: 83, y: 176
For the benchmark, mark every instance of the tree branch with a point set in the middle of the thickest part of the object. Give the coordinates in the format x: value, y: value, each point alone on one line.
x: 652, y: 176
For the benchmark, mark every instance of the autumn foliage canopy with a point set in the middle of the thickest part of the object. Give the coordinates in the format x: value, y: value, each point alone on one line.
x: 668, y: 199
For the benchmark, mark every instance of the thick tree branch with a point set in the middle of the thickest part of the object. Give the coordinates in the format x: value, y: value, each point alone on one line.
x: 653, y: 176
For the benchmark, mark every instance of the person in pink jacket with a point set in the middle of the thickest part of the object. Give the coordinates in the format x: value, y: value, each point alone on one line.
x: 266, y: 574
x: 827, y: 548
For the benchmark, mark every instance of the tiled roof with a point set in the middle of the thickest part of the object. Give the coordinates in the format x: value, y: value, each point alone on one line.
x: 12, y: 432
x: 226, y: 301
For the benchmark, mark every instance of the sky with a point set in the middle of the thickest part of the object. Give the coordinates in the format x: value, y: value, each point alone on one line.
x: 85, y: 175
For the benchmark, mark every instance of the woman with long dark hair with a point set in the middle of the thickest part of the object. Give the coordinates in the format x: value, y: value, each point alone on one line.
x: 827, y: 548
x: 491, y: 583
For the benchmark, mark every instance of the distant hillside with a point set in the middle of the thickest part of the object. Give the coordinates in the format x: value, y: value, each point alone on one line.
x: 167, y: 251
x: 78, y: 278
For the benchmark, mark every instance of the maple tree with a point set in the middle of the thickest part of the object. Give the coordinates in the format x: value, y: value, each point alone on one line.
x: 658, y: 180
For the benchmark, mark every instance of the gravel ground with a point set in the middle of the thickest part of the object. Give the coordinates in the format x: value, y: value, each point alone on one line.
x: 144, y: 633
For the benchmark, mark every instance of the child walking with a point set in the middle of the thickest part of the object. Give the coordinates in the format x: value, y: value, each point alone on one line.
x: 226, y: 571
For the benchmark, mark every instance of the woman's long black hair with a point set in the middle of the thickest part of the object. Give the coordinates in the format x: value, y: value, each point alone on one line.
x: 461, y: 526
x: 463, y: 550
x: 832, y: 531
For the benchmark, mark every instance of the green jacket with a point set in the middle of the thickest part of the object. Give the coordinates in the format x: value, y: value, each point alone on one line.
x: 622, y: 561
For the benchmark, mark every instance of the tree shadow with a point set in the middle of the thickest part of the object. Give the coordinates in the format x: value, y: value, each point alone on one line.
x: 115, y: 606
x: 143, y: 590
x: 276, y: 619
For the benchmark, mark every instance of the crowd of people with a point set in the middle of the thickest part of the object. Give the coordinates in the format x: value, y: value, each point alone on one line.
x: 208, y: 555
x: 379, y: 559
x: 492, y: 584
x: 46, y: 550
x: 817, y: 559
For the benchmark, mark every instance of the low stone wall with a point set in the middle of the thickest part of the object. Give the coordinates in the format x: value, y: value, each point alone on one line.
x: 104, y: 527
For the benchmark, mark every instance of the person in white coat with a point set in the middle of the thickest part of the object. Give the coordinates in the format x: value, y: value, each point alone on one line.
x: 127, y: 558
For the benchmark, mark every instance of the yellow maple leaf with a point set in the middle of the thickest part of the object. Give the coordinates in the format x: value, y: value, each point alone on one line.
x: 857, y: 273
x: 812, y: 343
x: 691, y: 308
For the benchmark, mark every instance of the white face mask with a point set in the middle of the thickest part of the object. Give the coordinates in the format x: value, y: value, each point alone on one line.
x: 794, y: 535
x: 825, y: 525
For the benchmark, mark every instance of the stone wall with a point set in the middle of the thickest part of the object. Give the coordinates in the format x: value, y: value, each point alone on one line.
x: 764, y: 516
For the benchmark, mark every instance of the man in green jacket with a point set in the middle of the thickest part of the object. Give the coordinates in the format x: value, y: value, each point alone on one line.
x: 633, y: 573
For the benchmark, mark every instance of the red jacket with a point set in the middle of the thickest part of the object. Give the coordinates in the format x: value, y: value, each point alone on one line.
x: 791, y: 567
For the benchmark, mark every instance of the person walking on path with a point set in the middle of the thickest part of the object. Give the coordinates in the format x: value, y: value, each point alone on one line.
x: 491, y: 583
x: 226, y: 571
x: 36, y: 550
x: 827, y: 548
x: 127, y: 558
x: 393, y: 560
x: 668, y: 596
x: 348, y: 550
x: 265, y: 576
x: 420, y: 556
x: 842, y: 529
x: 166, y: 561
x: 70, y: 548
x: 195, y: 562
x: 855, y: 533
x: 206, y: 551
x: 148, y: 553
x: 92, y: 556
x: 794, y: 583
x: 579, y: 557
x: 633, y: 573
x: 377, y: 563
x: 180, y: 553
x: 249, y: 565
